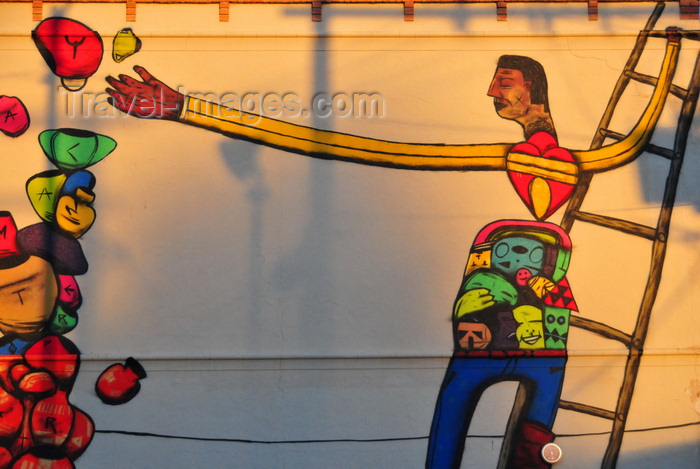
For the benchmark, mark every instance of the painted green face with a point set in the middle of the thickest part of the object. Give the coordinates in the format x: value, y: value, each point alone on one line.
x: 556, y: 327
x: 513, y: 254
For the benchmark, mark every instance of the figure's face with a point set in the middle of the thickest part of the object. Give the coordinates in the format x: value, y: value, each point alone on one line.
x: 556, y: 327
x: 518, y: 256
x: 27, y: 296
x: 529, y: 333
x: 74, y: 213
x: 510, y: 93
x: 473, y: 335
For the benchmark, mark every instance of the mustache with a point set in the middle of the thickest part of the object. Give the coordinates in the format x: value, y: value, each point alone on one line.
x: 499, y: 104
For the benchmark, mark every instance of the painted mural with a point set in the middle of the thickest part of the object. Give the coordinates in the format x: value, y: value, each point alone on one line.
x: 511, y: 316
x: 71, y: 49
x: 512, y: 312
x: 38, y: 268
x: 510, y: 322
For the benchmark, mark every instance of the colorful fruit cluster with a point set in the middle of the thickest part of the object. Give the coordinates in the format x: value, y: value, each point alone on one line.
x: 39, y: 299
x: 39, y: 294
x: 39, y: 427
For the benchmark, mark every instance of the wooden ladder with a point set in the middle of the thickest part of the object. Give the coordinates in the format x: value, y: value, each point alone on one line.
x: 658, y: 235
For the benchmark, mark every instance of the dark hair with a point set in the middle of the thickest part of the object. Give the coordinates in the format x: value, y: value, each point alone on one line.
x: 533, y: 72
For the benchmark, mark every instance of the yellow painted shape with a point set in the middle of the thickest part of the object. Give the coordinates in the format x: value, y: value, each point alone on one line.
x: 541, y: 196
x: 75, y: 215
x: 446, y: 157
x: 540, y: 285
x: 340, y: 146
x: 627, y: 149
x: 27, y: 296
x: 43, y: 194
x: 125, y: 44
x: 556, y: 170
x: 478, y: 260
x: 530, y: 333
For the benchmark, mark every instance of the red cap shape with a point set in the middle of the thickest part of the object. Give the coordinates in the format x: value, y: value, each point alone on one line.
x: 8, y: 235
x: 14, y: 118
x: 70, y: 49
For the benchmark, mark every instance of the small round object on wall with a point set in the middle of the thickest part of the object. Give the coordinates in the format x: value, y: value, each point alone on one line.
x: 118, y: 384
x: 551, y: 453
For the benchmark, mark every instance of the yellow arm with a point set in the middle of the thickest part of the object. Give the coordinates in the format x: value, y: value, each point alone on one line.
x: 345, y: 147
x: 627, y: 149
x: 339, y: 146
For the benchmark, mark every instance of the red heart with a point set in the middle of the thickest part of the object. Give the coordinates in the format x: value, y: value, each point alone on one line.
x: 542, y: 183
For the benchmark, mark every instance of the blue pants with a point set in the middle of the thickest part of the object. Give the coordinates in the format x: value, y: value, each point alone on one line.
x: 465, y: 381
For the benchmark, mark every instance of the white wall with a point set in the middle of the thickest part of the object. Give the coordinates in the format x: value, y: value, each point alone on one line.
x: 275, y: 297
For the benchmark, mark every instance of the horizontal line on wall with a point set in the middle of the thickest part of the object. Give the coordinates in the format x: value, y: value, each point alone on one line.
x: 572, y: 354
x: 338, y: 2
x: 346, y: 364
x: 361, y: 440
x: 364, y: 35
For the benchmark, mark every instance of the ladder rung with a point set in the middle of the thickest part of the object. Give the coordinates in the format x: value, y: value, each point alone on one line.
x: 649, y: 147
x: 601, y: 329
x: 587, y: 409
x: 625, y: 226
x: 607, y: 133
x: 661, y: 151
x: 675, y: 90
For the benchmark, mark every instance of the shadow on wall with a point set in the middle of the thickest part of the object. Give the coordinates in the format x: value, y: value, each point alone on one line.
x: 675, y: 456
x: 305, y: 270
x: 653, y: 170
x: 242, y: 161
x: 463, y: 15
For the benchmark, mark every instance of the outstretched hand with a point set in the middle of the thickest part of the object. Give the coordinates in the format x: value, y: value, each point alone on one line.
x: 148, y: 99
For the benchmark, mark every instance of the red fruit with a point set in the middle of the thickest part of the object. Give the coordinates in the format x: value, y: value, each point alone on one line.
x: 8, y: 234
x: 23, y: 442
x: 52, y: 419
x: 68, y: 291
x: 6, y: 364
x: 43, y: 458
x: 80, y: 434
x: 37, y: 382
x: 17, y: 372
x: 70, y: 49
x: 120, y: 383
x: 11, y: 413
x: 5, y: 458
x: 14, y: 118
x: 55, y: 354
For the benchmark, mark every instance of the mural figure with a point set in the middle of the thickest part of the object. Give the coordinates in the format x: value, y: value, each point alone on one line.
x: 508, y: 325
x: 511, y: 316
x: 39, y: 294
x: 541, y: 162
x: 39, y: 299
